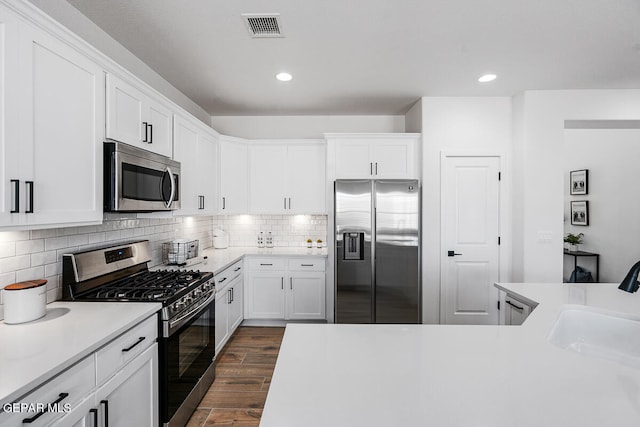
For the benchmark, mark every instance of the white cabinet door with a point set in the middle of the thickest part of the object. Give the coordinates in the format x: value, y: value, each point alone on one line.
x: 186, y: 137
x: 306, y: 181
x: 237, y: 304
x: 306, y: 295
x: 197, y: 152
x: 10, y: 98
x: 222, y: 319
x: 393, y: 159
x: 159, y: 138
x: 233, y: 176
x: 265, y: 295
x: 130, y: 398
x: 125, y: 117
x: 353, y: 159
x: 84, y: 414
x: 135, y: 118
x: 208, y: 180
x: 62, y: 132
x: 267, y: 176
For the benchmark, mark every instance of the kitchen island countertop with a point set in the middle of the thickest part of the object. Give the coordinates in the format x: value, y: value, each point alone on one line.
x: 33, y: 352
x: 455, y: 375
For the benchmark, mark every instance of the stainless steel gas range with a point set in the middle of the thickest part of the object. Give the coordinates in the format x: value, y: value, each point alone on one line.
x: 186, y: 322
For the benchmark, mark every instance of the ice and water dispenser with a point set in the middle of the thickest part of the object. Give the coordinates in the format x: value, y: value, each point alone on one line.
x: 353, y: 246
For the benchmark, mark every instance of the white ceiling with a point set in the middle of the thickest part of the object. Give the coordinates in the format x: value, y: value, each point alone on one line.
x: 375, y: 56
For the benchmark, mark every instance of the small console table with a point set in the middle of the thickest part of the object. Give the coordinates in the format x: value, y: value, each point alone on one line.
x: 576, y: 254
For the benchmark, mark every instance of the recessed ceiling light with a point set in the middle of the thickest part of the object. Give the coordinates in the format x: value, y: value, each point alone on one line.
x: 284, y: 77
x: 487, y: 78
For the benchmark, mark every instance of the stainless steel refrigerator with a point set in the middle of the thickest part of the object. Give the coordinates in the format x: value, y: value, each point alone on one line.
x: 377, y: 251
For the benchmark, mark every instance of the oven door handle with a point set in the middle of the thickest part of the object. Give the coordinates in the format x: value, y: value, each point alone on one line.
x: 176, y: 323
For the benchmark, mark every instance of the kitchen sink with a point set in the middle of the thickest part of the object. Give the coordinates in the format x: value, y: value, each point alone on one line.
x: 598, y: 333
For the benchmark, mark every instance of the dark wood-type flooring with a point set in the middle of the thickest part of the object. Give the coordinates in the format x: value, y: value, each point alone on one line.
x: 243, y: 374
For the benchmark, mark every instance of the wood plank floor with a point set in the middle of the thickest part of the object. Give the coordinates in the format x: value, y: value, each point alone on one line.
x: 243, y: 374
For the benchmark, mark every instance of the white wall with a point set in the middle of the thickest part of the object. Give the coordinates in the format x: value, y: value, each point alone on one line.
x: 538, y: 203
x: 82, y: 26
x: 268, y: 127
x: 460, y: 125
x: 612, y: 158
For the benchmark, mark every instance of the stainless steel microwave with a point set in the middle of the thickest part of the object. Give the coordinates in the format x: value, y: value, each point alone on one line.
x: 136, y: 180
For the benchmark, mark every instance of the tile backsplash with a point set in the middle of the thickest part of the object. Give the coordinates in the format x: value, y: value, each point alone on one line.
x: 37, y: 254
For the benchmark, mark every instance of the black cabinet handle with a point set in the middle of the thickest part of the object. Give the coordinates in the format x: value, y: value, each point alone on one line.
x: 222, y: 280
x: 265, y: 264
x: 150, y: 133
x: 306, y: 265
x: 60, y: 398
x: 146, y: 132
x: 29, y: 186
x: 232, y: 295
x: 95, y: 416
x: 237, y: 269
x: 376, y: 168
x: 106, y: 412
x: 224, y: 203
x: 133, y: 345
x: 514, y: 306
x: 452, y: 253
x: 16, y: 196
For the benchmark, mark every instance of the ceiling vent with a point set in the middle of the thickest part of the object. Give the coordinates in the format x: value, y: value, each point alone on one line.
x: 263, y: 24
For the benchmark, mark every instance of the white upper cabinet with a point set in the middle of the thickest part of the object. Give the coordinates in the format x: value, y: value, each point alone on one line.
x: 287, y: 178
x: 135, y: 118
x: 233, y: 176
x: 306, y: 178
x: 374, y: 156
x: 196, y: 148
x: 53, y: 110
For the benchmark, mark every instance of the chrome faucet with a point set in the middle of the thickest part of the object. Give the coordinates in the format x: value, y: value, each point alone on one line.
x: 630, y: 282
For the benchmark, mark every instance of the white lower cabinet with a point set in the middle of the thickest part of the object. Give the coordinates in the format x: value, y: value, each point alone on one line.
x: 286, y: 288
x: 514, y: 310
x: 229, y: 303
x: 117, y: 386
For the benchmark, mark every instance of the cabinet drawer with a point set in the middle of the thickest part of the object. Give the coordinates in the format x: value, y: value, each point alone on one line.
x: 306, y: 264
x: 68, y: 388
x: 127, y: 346
x: 267, y: 264
x: 227, y: 275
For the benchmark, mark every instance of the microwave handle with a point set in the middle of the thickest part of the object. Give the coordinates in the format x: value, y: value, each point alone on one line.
x: 173, y: 187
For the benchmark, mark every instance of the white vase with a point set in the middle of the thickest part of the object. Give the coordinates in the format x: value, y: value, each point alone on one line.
x: 573, y: 248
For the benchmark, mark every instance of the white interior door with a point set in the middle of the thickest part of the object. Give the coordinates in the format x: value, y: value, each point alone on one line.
x: 470, y: 226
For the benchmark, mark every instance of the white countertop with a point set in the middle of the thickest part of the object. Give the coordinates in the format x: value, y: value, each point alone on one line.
x: 32, y: 352
x: 219, y: 259
x: 454, y: 375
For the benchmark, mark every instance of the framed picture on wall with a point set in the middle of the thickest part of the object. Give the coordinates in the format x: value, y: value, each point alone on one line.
x: 580, y: 212
x: 579, y: 182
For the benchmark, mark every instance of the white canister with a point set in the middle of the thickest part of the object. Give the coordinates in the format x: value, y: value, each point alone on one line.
x: 24, y: 301
x: 220, y: 239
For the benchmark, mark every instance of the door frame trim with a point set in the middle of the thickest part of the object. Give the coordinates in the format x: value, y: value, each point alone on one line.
x: 504, y: 221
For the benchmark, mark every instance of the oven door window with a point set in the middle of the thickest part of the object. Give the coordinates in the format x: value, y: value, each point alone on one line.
x: 188, y: 353
x: 151, y: 185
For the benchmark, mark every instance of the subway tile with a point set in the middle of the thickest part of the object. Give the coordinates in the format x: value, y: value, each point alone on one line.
x: 56, y: 243
x: 8, y: 249
x: 15, y: 263
x: 78, y: 239
x: 53, y: 269
x: 29, y: 246
x: 7, y: 279
x: 14, y: 236
x: 112, y: 235
x: 98, y: 237
x: 30, y: 274
x: 42, y: 258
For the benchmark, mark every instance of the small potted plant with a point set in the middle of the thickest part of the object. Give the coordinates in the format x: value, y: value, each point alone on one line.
x: 573, y: 240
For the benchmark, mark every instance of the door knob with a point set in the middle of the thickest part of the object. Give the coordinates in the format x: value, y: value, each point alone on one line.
x: 452, y: 253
